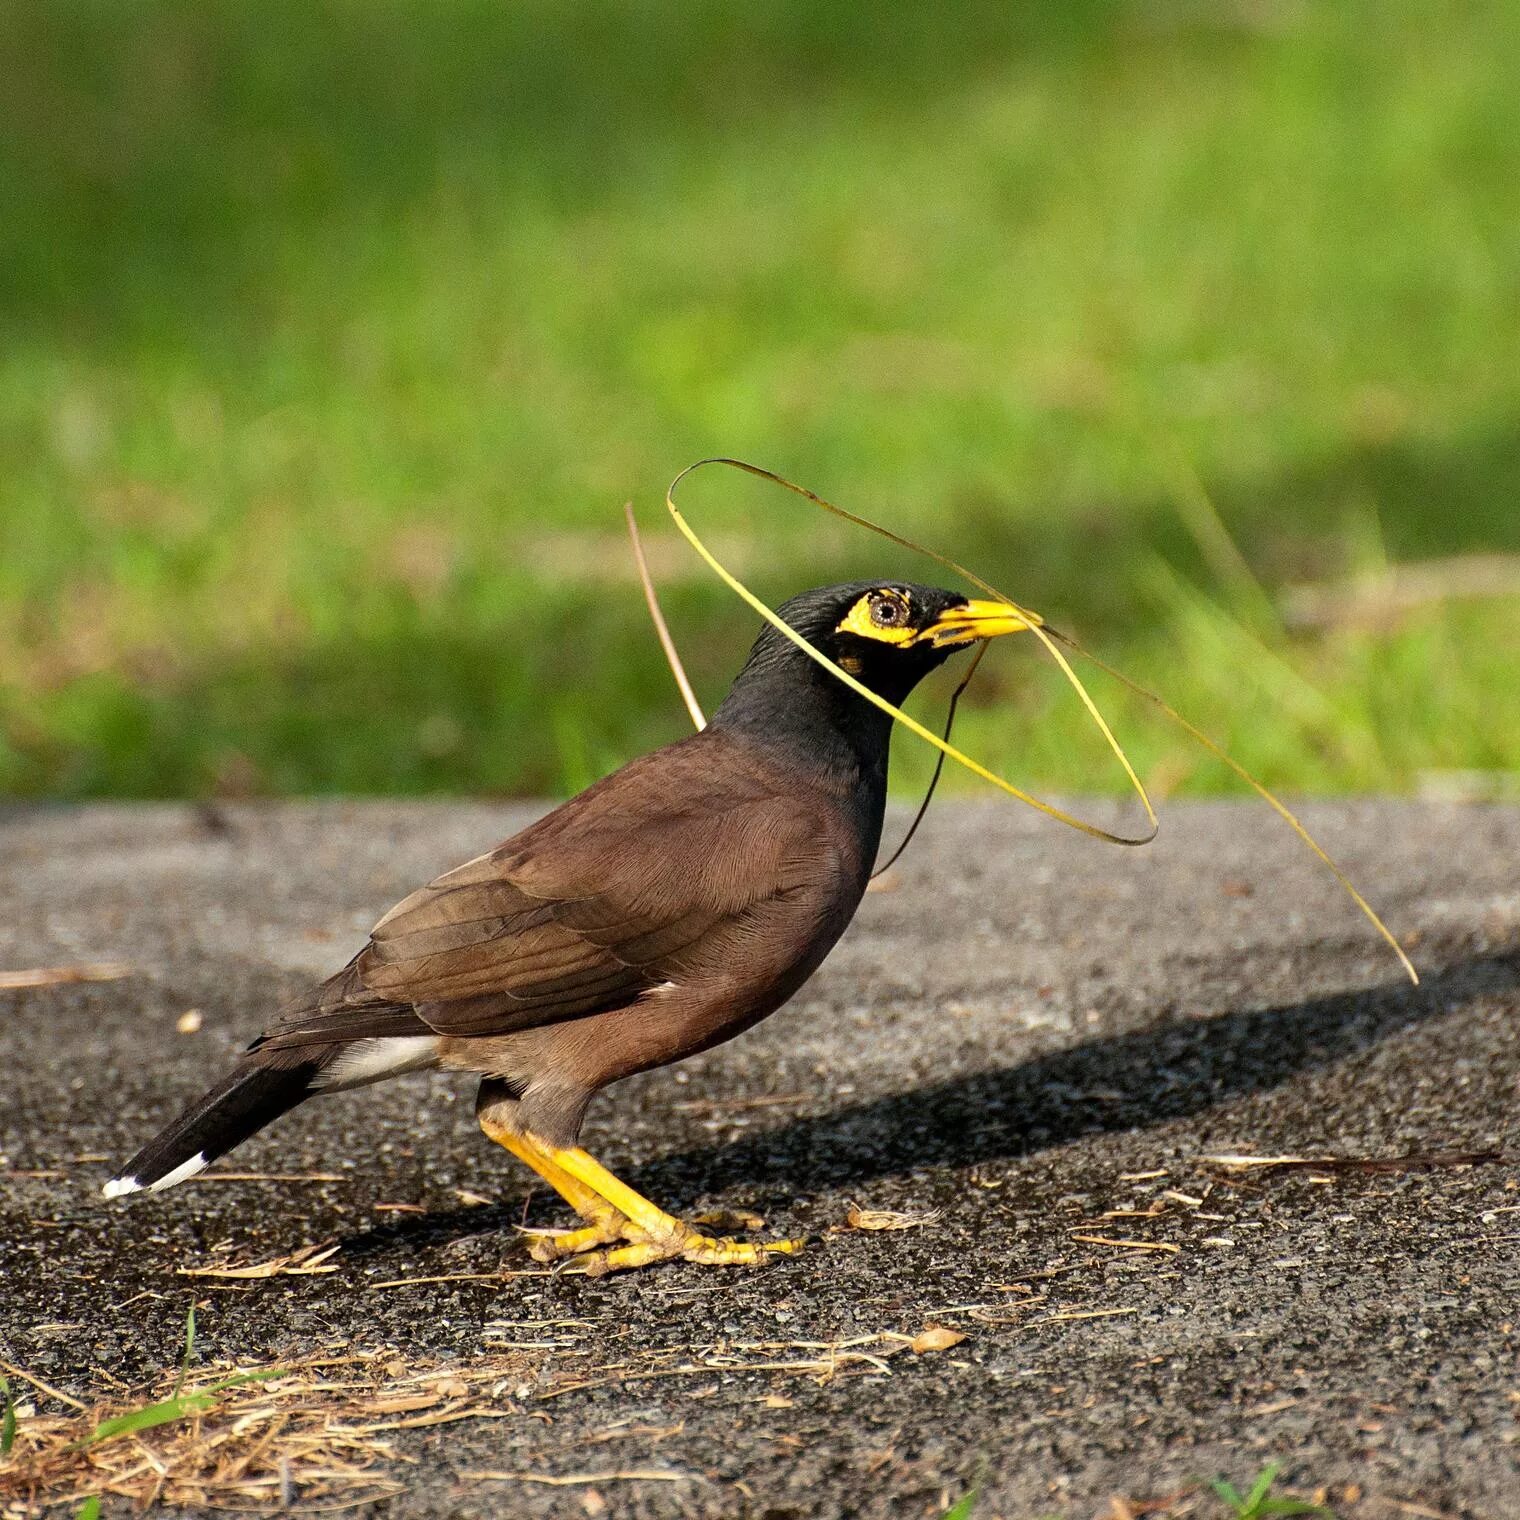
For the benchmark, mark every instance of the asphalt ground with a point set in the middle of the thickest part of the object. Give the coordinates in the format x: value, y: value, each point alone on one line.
x: 1028, y: 1033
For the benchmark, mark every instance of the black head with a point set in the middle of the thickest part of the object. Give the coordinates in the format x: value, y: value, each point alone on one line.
x: 887, y: 634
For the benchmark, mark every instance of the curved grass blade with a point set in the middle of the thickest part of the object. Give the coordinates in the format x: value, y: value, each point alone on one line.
x: 896, y: 713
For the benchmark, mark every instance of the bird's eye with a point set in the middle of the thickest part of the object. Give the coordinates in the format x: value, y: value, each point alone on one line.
x: 888, y: 611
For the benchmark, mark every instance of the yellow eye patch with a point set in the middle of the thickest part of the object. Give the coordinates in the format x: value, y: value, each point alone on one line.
x: 884, y: 615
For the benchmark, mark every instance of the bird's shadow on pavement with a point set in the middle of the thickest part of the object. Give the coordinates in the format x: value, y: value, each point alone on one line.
x: 1130, y: 1081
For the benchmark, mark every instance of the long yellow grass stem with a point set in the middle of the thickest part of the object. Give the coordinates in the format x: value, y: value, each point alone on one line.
x: 1280, y: 808
x: 939, y: 765
x: 699, y: 722
x: 662, y: 630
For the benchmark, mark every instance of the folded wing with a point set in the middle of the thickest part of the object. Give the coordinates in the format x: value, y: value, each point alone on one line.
x: 581, y: 913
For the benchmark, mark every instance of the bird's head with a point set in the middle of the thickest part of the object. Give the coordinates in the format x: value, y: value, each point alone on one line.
x: 890, y: 634
x: 887, y: 634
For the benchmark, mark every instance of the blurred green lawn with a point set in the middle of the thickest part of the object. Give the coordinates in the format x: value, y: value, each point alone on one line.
x: 333, y: 336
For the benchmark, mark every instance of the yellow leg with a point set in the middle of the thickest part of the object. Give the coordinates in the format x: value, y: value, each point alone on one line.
x: 587, y: 1171
x: 604, y: 1223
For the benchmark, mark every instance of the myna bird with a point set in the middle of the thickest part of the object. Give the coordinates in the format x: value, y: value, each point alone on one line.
x: 665, y: 909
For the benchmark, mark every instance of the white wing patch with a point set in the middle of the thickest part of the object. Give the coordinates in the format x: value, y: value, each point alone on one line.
x: 197, y: 1163
x: 373, y: 1060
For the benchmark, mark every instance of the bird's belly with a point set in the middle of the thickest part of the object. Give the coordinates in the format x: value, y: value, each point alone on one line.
x: 697, y: 1008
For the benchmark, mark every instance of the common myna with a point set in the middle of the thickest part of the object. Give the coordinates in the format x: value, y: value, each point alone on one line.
x: 666, y: 908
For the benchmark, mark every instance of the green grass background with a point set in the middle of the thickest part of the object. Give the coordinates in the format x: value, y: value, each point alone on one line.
x: 334, y: 333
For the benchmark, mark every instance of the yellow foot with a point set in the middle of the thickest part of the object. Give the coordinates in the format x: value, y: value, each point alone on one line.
x: 686, y: 1244
x: 613, y: 1212
x: 559, y: 1245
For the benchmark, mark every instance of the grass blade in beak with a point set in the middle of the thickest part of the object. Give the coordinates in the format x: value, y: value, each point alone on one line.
x: 1048, y: 638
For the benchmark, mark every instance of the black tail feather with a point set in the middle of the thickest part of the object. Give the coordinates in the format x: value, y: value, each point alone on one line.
x: 250, y: 1097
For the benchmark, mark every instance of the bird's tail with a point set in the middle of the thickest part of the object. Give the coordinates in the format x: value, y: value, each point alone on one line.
x: 240, y: 1105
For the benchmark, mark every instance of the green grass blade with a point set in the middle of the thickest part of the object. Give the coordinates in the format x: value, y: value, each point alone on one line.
x: 962, y: 1509
x: 8, y: 1419
x: 1259, y: 1503
x: 184, y: 1366
x: 1262, y: 1486
x: 177, y: 1407
x: 150, y: 1416
x: 1230, y: 1494
x: 89, y: 1510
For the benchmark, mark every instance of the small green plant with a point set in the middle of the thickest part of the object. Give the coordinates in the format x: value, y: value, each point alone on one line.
x: 179, y: 1404
x: 89, y: 1510
x: 1259, y: 1503
x: 165, y: 1412
x: 179, y: 1407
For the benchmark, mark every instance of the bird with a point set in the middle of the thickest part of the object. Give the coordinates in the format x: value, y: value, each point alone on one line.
x: 666, y: 908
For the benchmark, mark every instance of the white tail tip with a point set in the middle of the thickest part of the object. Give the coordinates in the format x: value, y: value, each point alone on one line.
x: 119, y: 1187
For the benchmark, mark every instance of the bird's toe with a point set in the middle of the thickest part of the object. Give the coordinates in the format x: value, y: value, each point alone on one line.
x: 691, y: 1245
x: 709, y: 1252
x: 637, y: 1253
x: 549, y: 1246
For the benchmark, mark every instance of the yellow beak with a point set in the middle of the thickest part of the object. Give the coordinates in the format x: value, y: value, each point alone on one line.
x: 975, y: 620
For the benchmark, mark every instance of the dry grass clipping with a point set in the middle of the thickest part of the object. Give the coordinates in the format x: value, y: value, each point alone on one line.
x: 61, y: 976
x: 321, y: 1430
x: 1425, y: 1161
x: 858, y: 1218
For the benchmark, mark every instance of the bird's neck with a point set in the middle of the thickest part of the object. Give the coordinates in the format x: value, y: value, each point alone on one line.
x: 797, y: 711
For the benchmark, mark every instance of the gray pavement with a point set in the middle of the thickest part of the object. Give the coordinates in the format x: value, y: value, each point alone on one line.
x: 1028, y: 1033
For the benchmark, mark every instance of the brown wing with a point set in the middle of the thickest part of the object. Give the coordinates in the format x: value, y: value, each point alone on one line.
x: 613, y: 893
